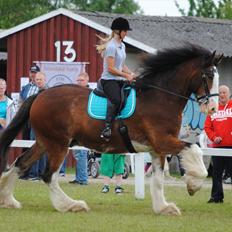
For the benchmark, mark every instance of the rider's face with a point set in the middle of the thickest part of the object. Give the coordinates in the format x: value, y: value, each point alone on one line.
x: 123, y: 34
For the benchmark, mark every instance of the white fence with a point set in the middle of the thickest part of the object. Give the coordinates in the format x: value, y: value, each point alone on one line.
x: 137, y: 162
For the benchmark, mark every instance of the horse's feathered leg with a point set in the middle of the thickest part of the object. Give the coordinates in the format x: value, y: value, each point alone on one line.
x: 195, y: 171
x: 59, y: 199
x: 8, y: 178
x: 160, y: 206
x: 7, y: 183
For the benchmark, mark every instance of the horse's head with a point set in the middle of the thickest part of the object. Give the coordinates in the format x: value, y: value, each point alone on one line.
x: 207, y: 90
x: 181, y: 72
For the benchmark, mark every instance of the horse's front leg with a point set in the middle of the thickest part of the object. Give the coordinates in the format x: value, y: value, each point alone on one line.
x: 59, y: 199
x: 195, y: 171
x: 160, y: 206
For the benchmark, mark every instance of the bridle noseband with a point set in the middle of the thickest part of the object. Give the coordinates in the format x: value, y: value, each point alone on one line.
x: 205, y: 98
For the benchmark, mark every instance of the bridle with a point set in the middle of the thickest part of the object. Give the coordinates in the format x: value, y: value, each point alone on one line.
x: 200, y: 100
x: 205, y: 98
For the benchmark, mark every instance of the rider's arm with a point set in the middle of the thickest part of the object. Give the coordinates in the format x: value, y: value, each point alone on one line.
x: 125, y: 69
x: 114, y: 71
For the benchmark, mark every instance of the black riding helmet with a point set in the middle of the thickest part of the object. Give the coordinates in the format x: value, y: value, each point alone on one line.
x: 120, y: 24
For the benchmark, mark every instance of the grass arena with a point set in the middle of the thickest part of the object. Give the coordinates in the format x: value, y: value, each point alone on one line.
x: 111, y: 212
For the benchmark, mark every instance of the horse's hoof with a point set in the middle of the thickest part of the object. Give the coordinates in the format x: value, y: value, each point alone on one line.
x: 171, y: 209
x: 10, y: 204
x: 79, y: 206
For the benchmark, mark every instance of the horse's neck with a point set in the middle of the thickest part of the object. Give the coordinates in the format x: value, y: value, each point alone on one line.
x: 160, y: 103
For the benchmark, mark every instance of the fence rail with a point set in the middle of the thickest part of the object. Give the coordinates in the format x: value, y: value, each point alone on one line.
x: 137, y: 162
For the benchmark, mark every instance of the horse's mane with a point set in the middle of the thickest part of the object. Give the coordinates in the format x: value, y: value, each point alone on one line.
x: 167, y: 61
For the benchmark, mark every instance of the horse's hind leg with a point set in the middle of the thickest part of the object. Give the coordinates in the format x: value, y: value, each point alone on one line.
x: 160, y: 206
x: 8, y: 178
x: 7, y: 183
x: 59, y: 199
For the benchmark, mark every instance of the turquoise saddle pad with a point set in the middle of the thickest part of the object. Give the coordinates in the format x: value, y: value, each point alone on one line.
x: 97, y: 106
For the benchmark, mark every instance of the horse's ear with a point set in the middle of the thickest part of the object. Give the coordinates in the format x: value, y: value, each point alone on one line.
x: 210, y: 59
x: 218, y: 59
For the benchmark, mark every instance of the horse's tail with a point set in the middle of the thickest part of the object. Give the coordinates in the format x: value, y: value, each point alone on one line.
x: 9, y: 134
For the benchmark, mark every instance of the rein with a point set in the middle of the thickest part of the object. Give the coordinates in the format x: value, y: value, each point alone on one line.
x: 201, y: 100
x: 170, y: 92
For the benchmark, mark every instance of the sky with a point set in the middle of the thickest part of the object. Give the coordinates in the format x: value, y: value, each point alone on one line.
x: 162, y: 7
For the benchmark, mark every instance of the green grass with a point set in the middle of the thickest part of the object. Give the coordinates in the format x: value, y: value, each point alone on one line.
x: 110, y: 212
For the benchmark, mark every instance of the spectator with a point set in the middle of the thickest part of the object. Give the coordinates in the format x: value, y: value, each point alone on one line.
x: 218, y: 128
x: 27, y: 91
x: 31, y: 88
x: 38, y: 168
x: 81, y: 155
x: 7, y: 107
x: 63, y: 168
x: 112, y: 164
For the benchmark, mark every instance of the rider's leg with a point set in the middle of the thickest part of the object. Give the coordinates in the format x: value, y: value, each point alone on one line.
x: 110, y: 116
x: 112, y: 90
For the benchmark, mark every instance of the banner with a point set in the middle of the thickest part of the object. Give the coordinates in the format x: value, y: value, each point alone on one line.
x: 58, y: 73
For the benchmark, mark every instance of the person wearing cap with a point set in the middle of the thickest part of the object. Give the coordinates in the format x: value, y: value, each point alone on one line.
x: 28, y: 90
x: 115, y: 72
x: 38, y: 168
x: 31, y: 88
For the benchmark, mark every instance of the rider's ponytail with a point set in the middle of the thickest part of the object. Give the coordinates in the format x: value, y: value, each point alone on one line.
x: 103, y: 42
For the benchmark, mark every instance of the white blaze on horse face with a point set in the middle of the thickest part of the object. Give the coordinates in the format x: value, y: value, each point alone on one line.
x: 212, y: 106
x: 215, y: 88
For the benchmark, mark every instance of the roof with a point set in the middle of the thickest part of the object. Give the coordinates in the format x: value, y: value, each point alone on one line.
x: 152, y: 32
x: 161, y: 31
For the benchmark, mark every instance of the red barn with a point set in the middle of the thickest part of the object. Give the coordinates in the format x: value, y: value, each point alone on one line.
x: 64, y: 35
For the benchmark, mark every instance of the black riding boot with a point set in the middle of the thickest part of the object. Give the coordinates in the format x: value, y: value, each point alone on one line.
x: 110, y: 116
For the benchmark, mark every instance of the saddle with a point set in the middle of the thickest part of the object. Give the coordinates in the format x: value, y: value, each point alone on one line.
x: 97, y: 108
x: 97, y: 104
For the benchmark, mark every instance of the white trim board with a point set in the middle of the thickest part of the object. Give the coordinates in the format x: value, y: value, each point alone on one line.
x: 78, y: 18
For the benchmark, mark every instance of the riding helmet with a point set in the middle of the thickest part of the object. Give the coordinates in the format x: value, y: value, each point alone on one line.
x: 120, y: 24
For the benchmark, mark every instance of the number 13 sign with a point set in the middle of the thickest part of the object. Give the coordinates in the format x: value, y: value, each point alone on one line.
x: 69, y: 52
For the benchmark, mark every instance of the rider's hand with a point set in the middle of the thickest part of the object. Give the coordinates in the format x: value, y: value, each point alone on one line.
x: 130, y: 76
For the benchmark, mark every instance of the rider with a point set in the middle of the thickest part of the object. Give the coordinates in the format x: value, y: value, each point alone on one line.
x: 115, y: 72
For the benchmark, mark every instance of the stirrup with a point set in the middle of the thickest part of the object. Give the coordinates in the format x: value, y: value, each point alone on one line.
x: 106, y: 133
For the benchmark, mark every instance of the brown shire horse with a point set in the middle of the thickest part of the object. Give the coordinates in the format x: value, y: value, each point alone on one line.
x: 59, y: 117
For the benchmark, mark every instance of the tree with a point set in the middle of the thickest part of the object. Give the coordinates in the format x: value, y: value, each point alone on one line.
x: 225, y: 9
x: 112, y: 6
x: 208, y: 8
x: 14, y: 12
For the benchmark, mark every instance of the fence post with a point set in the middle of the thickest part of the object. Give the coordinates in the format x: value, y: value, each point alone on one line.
x: 139, y: 176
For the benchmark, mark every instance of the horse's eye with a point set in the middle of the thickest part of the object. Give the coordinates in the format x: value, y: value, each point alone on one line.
x: 211, y: 76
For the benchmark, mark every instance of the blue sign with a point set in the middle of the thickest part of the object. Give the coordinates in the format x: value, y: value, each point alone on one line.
x: 192, y: 115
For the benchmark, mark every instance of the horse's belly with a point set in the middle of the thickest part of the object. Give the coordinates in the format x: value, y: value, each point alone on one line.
x: 139, y: 147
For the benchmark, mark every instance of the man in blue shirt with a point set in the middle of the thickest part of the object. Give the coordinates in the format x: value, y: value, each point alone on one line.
x: 81, y: 155
x: 28, y: 90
